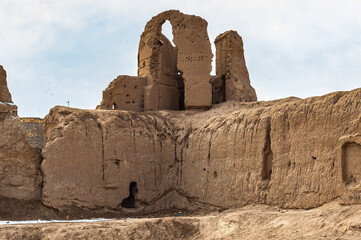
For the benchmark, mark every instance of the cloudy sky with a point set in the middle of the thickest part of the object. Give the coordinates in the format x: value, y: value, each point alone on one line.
x: 58, y: 51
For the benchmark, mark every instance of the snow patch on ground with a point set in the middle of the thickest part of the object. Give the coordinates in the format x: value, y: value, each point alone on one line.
x: 56, y: 221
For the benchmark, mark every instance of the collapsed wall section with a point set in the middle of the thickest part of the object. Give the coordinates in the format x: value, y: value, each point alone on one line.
x: 33, y: 128
x: 20, y: 176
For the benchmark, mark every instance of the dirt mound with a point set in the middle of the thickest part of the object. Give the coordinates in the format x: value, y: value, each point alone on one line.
x: 331, y: 221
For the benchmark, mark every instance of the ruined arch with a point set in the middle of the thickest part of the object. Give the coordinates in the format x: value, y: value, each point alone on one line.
x: 161, y: 63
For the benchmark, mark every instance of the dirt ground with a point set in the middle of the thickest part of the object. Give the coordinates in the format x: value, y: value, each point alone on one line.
x: 331, y: 221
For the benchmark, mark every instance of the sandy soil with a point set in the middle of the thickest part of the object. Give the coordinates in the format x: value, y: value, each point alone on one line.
x: 331, y: 221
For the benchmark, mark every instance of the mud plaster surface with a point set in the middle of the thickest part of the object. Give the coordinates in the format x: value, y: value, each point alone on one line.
x: 290, y: 152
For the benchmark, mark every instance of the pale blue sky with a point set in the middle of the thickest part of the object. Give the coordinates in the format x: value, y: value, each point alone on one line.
x: 69, y: 50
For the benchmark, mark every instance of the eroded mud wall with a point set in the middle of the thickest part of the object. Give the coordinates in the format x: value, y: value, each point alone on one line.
x: 92, y: 157
x: 290, y: 152
x: 227, y: 162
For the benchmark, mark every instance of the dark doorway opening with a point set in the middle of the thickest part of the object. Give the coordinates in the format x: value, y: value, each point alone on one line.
x: 218, y: 89
x: 180, y: 81
x: 129, y: 202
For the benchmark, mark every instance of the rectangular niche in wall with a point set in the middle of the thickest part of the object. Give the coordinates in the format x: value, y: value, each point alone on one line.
x: 351, y: 162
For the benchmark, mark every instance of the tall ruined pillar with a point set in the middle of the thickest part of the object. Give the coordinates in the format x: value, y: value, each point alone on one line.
x: 194, y: 60
x: 232, y: 74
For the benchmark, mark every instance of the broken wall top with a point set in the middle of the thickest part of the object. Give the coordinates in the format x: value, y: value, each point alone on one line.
x: 5, y: 95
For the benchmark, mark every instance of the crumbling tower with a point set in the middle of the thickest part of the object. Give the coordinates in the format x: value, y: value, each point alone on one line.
x: 170, y: 69
x: 178, y: 77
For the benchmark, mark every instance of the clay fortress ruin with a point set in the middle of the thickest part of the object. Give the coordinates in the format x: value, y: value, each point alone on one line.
x: 224, y: 149
x: 178, y: 78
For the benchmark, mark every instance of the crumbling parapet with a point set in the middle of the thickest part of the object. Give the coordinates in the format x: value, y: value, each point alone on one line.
x: 124, y: 93
x: 232, y: 78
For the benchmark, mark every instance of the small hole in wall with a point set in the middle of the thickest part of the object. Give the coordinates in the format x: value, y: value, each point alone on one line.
x: 127, y: 95
x: 215, y: 174
x: 204, y: 169
x: 129, y: 202
x: 125, y: 86
x: 314, y: 158
x: 135, y: 87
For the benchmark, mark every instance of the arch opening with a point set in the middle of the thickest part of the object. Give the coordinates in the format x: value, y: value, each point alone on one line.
x: 167, y: 31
